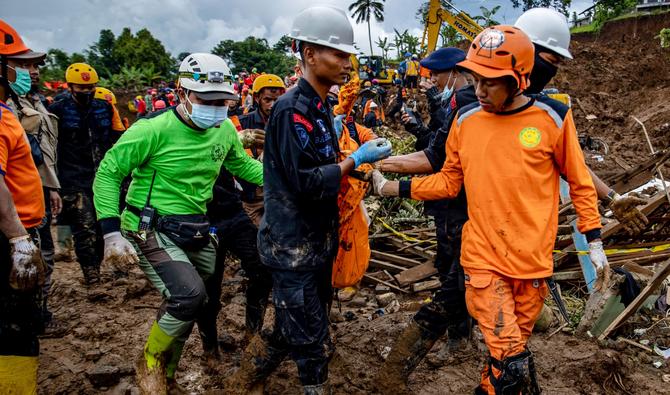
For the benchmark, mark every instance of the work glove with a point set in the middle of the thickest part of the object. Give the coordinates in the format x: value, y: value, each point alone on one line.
x: 599, y: 260
x: 372, y: 151
x: 28, y: 269
x: 252, y: 138
x: 119, y: 253
x: 339, y: 126
x: 378, y: 182
x: 626, y: 212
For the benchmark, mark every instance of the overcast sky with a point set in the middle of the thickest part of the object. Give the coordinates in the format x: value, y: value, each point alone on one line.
x: 198, y: 25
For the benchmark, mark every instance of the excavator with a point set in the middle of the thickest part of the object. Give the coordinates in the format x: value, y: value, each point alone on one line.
x: 373, y: 67
x: 440, y: 11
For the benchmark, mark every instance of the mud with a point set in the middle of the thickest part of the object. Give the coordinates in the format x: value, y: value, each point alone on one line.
x: 621, y: 72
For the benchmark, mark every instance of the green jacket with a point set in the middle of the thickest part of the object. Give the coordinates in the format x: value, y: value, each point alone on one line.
x: 186, y: 161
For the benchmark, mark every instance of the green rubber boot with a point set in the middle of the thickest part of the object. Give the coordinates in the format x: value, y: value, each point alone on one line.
x: 151, y: 367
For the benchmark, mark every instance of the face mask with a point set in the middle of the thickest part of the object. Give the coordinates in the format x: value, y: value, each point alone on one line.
x: 83, y: 98
x: 22, y: 84
x: 206, y: 117
x: 542, y: 73
x: 448, y: 91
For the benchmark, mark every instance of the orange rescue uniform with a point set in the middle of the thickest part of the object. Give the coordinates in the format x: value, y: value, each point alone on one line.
x: 510, y: 165
x: 19, y: 171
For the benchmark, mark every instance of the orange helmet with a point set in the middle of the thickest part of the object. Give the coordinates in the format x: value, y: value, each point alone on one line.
x: 500, y: 51
x: 10, y: 41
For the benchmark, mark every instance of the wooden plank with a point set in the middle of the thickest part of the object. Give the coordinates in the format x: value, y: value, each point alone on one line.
x: 400, y: 244
x: 395, y: 259
x: 376, y: 263
x: 426, y: 285
x: 388, y: 284
x: 415, y: 274
x: 613, y: 227
x: 655, y: 282
x: 568, y: 275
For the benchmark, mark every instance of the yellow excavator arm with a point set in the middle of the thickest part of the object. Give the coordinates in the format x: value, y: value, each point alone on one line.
x: 437, y: 14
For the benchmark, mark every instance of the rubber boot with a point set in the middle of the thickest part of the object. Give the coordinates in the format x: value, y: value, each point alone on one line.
x: 411, y: 347
x: 91, y: 274
x: 151, y: 367
x: 319, y: 389
x: 254, y: 317
x: 258, y: 361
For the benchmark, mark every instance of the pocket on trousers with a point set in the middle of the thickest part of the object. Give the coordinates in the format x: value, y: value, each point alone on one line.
x: 478, y: 280
x: 291, y: 317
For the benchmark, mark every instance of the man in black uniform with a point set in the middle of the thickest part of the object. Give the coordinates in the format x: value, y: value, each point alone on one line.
x: 298, y: 236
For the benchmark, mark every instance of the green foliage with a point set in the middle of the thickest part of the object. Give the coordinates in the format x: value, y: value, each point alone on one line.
x: 255, y: 52
x: 129, y: 61
x: 363, y: 10
x: 664, y: 36
x: 559, y: 5
x: 384, y: 45
x: 284, y: 44
x: 608, y: 9
x: 487, y: 16
x: 450, y: 36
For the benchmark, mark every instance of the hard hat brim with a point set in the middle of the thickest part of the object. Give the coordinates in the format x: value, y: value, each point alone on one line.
x: 216, y: 95
x: 485, y: 71
x: 29, y: 55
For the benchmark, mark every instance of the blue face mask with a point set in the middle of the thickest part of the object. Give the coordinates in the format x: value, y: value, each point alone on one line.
x: 448, y: 91
x: 206, y: 117
x: 22, y: 84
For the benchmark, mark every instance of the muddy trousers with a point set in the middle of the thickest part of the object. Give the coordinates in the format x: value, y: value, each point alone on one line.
x: 505, y: 310
x: 447, y: 312
x: 178, y: 275
x: 48, y: 252
x: 301, y: 300
x: 20, y: 323
x: 78, y: 212
x: 237, y: 235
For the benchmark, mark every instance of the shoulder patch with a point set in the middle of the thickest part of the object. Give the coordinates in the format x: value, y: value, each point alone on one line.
x: 299, y: 119
x: 468, y: 111
x: 555, y: 109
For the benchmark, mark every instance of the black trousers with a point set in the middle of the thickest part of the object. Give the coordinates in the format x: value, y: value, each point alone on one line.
x: 236, y: 234
x: 20, y: 312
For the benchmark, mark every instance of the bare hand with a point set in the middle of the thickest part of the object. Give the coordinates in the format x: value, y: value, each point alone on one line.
x: 405, y: 118
x: 426, y: 84
x: 56, y: 202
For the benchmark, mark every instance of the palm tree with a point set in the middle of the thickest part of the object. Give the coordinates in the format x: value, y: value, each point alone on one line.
x: 399, y: 42
x: 487, y: 16
x: 384, y: 45
x: 363, y: 10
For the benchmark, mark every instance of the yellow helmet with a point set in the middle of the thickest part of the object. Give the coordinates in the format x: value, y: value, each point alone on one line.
x: 105, y: 94
x: 81, y: 73
x: 267, y: 81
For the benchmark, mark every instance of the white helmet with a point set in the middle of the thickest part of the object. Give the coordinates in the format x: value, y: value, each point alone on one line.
x: 208, y: 76
x: 548, y: 28
x: 324, y: 25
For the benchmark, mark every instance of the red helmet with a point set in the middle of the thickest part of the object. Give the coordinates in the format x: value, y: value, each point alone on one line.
x: 10, y: 41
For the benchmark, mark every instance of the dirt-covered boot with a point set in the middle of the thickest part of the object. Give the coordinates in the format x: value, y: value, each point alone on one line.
x: 319, y: 389
x: 411, y: 347
x: 91, y: 274
x: 258, y: 361
x: 173, y: 388
x: 150, y: 371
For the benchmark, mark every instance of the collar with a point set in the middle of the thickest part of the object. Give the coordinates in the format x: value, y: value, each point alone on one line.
x: 309, y: 92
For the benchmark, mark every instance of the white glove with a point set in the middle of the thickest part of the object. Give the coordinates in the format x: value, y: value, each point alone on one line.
x: 119, y: 252
x: 599, y: 260
x: 28, y: 267
x: 378, y: 182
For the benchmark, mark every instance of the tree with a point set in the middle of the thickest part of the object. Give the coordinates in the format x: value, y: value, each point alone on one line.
x: 487, y: 16
x: 254, y: 52
x: 450, y: 36
x: 384, y: 45
x: 412, y: 43
x: 399, y: 42
x: 559, y: 5
x: 143, y: 51
x: 284, y: 44
x: 363, y: 10
x: 182, y: 56
x: 101, y: 54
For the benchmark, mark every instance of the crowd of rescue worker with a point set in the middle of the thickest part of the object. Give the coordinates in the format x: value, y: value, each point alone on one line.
x: 273, y: 171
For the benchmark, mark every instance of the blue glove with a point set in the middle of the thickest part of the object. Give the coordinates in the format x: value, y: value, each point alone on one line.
x: 337, y: 123
x: 371, y: 152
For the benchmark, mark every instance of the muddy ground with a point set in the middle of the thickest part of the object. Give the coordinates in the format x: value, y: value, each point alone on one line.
x: 621, y: 72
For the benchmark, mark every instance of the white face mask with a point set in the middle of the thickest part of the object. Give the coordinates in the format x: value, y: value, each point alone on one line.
x: 448, y: 91
x: 206, y: 117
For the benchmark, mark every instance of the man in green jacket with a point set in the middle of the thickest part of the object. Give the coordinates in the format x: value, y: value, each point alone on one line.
x: 174, y: 158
